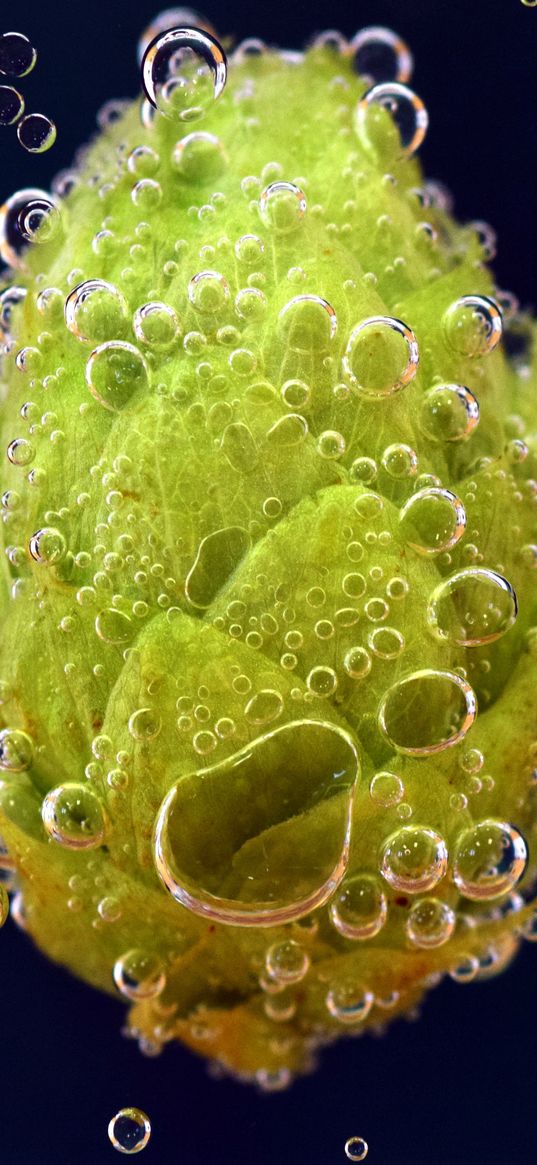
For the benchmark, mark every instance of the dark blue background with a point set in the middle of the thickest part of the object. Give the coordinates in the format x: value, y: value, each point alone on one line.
x: 459, y: 1086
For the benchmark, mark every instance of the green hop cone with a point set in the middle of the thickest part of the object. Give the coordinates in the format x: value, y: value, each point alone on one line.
x: 268, y: 661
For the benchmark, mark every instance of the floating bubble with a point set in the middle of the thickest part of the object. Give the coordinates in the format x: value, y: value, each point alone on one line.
x: 307, y: 323
x: 472, y: 325
x: 414, y: 859
x: 224, y: 834
x: 129, y: 1130
x: 287, y: 962
x: 171, y: 18
x: 405, y: 108
x: 359, y: 909
x: 379, y: 55
x: 356, y: 1149
x: 450, y: 412
x: 39, y: 221
x: 282, y: 206
x: 489, y: 859
x: 349, y: 1002
x: 183, y: 71
x: 433, y: 520
x: 199, y: 157
x: 95, y: 311
x: 381, y: 356
x: 115, y: 372
x: 11, y: 105
x: 472, y: 607
x: 12, y: 241
x: 16, y: 750
x: 17, y: 54
x: 430, y: 923
x: 427, y: 712
x: 36, y: 133
x: 156, y: 325
x: 139, y: 974
x: 74, y: 816
x: 47, y: 546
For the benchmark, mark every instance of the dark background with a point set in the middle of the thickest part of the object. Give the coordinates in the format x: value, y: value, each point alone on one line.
x: 460, y: 1085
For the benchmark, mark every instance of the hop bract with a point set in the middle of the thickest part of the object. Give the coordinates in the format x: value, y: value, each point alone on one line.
x: 269, y: 647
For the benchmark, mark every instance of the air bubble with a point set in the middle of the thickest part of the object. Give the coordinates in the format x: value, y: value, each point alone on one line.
x: 386, y: 789
x: 11, y: 105
x: 489, y: 859
x: 427, y: 712
x: 95, y: 311
x: 472, y: 607
x: 433, y: 520
x: 409, y: 115
x: 17, y: 54
x: 20, y: 452
x: 472, y: 325
x: 47, y: 546
x: 129, y: 1130
x: 168, y: 19
x: 183, y: 71
x: 381, y: 356
x: 450, y: 412
x: 139, y: 974
x: 115, y: 372
x: 414, y: 859
x: 357, y: 663
x: 36, y: 133
x: 359, y: 909
x: 74, y: 816
x: 282, y: 206
x: 400, y: 461
x: 208, y: 292
x: 307, y: 324
x: 12, y: 241
x: 379, y: 55
x: 356, y: 1149
x: 199, y: 157
x: 156, y: 325
x: 39, y: 221
x: 349, y: 1002
x: 113, y: 626
x: 287, y: 962
x: 264, y: 707
x: 16, y: 750
x: 430, y: 923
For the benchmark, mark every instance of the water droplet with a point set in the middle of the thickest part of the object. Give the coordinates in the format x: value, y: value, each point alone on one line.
x: 359, y: 910
x: 11, y: 105
x: 183, y: 71
x: 17, y: 54
x: 229, y: 839
x: 414, y: 859
x: 472, y: 607
x: 349, y: 1002
x: 307, y: 323
x: 74, y: 816
x: 282, y: 206
x: 95, y: 311
x: 386, y: 789
x: 139, y: 975
x: 218, y: 555
x: 287, y: 961
x: 199, y: 157
x: 208, y: 292
x: 472, y: 325
x: 378, y: 55
x: 356, y: 1149
x: 156, y: 324
x: 129, y: 1130
x: 427, y: 712
x: 48, y: 546
x: 430, y: 923
x: 450, y: 412
x: 12, y: 241
x: 36, y: 133
x: 115, y: 372
x: 489, y: 859
x: 433, y: 520
x: 39, y: 221
x: 406, y: 109
x: 381, y: 356
x: 16, y: 750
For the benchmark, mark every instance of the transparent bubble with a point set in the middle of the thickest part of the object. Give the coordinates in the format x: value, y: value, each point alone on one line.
x: 95, y: 311
x: 20, y: 452
x: 250, y: 249
x: 379, y: 55
x: 36, y: 133
x: 386, y: 789
x: 129, y: 1130
x: 157, y: 325
x: 282, y: 206
x: 139, y: 974
x: 12, y: 241
x: 9, y: 299
x: 472, y: 325
x: 145, y: 724
x: 47, y: 546
x: 427, y: 712
x: 322, y: 681
x: 168, y: 19
x: 349, y: 1002
x: 74, y: 816
x: 250, y: 304
x: 11, y: 105
x: 146, y: 194
x: 143, y: 161
x: 113, y: 626
x: 183, y: 71
x: 39, y: 221
x: 287, y: 962
x: 17, y: 54
x: 489, y: 859
x: 199, y: 157
x: 381, y: 356
x: 400, y: 461
x: 357, y: 663
x: 264, y: 707
x: 235, y: 869
x: 208, y: 292
x: 356, y: 1149
x: 472, y: 607
x: 407, y: 111
x: 16, y: 750
x: 330, y: 39
x: 330, y: 445
x: 359, y: 909
x: 115, y: 372
x: 219, y: 553
x: 433, y: 520
x: 307, y: 323
x: 450, y: 412
x: 364, y: 470
x: 430, y: 923
x: 414, y: 859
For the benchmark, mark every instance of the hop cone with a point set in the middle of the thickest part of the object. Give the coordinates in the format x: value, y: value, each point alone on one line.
x: 268, y: 660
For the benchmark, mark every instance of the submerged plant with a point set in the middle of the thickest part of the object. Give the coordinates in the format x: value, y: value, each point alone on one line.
x: 269, y: 649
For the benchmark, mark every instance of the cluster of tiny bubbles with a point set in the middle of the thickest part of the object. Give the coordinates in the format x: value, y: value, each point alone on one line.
x: 472, y: 325
x: 36, y: 132
x: 433, y: 520
x: 74, y: 816
x: 356, y: 1149
x: 11, y: 105
x: 183, y: 71
x: 171, y: 18
x: 430, y: 923
x: 139, y: 974
x: 444, y: 707
x: 95, y: 311
x: 414, y: 859
x: 489, y: 860
x: 381, y: 356
x: 379, y: 55
x: 450, y: 412
x: 282, y: 206
x: 16, y: 750
x: 14, y: 223
x: 471, y: 607
x: 407, y: 111
x: 359, y: 909
x: 47, y: 546
x: 156, y: 325
x: 129, y: 1130
x: 115, y: 371
x: 17, y: 54
x: 349, y: 1002
x: 287, y: 962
